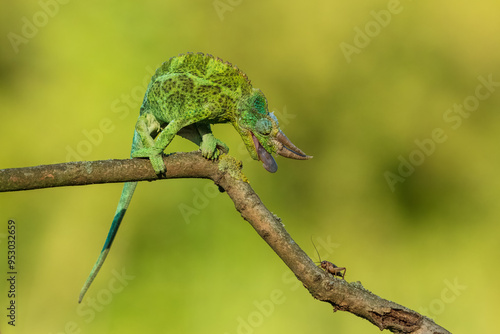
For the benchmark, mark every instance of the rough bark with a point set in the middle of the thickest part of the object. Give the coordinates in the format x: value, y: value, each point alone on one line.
x: 226, y: 173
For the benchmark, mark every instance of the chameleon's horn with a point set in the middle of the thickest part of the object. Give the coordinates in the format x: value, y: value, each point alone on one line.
x: 287, y: 149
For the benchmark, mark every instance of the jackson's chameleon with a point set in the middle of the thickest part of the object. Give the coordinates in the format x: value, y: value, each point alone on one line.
x: 186, y: 94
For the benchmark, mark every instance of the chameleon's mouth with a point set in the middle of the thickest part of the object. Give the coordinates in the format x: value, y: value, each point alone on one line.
x: 284, y: 147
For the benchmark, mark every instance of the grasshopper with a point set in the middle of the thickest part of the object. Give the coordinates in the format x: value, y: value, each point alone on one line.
x: 328, y: 266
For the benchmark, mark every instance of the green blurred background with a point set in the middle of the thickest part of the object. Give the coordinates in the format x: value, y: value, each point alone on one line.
x: 429, y: 243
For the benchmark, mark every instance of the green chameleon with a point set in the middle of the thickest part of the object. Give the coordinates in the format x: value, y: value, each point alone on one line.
x: 187, y: 94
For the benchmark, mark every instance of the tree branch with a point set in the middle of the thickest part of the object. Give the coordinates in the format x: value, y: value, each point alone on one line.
x: 226, y: 173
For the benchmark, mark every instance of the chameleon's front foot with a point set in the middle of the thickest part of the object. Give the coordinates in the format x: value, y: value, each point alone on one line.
x: 212, y: 148
x: 154, y: 156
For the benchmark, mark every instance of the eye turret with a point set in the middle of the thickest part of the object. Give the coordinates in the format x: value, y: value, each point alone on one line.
x: 263, y: 126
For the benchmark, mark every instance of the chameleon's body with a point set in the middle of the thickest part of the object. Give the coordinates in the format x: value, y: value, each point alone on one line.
x: 187, y: 94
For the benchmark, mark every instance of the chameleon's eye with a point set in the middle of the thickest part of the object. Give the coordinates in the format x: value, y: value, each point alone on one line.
x: 264, y: 126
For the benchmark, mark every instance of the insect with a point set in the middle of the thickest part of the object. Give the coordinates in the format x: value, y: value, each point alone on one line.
x: 328, y: 266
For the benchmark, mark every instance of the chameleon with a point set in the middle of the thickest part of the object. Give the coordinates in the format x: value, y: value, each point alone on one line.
x: 185, y: 96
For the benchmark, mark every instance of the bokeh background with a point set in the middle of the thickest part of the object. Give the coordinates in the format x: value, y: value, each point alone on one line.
x: 356, y: 84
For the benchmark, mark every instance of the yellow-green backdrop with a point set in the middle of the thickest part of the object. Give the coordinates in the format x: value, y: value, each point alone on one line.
x: 398, y: 101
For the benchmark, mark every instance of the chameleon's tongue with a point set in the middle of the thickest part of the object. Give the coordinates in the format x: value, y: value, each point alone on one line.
x: 267, y: 159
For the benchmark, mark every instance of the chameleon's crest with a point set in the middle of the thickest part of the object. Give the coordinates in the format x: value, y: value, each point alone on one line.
x: 204, y: 66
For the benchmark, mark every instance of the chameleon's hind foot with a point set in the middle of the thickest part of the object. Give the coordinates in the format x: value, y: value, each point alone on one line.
x: 155, y: 158
x: 158, y: 164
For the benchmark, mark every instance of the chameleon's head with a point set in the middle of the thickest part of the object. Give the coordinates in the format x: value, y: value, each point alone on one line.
x: 261, y: 134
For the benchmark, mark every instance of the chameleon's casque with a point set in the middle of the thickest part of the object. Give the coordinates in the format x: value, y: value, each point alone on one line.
x: 186, y: 95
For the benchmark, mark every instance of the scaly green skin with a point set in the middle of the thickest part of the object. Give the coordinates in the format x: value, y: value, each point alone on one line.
x: 186, y: 95
x: 194, y: 91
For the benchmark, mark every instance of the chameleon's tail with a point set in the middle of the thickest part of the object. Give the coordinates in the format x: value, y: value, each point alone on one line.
x: 128, y: 191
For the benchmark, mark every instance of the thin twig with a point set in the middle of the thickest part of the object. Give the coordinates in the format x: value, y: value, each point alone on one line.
x: 226, y: 173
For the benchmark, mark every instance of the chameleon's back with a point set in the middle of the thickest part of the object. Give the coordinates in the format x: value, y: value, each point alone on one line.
x: 196, y: 79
